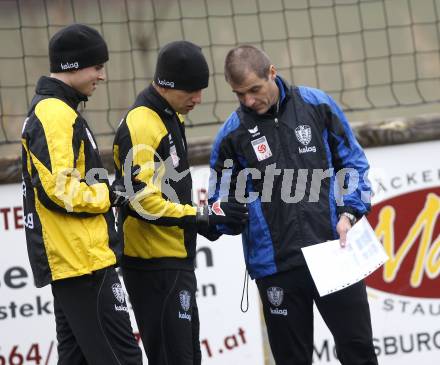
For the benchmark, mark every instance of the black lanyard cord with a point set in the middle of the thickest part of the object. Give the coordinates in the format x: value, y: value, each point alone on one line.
x: 245, y: 288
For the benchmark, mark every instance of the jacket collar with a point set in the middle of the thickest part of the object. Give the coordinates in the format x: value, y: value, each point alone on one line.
x: 53, y: 87
x: 285, y: 94
x: 159, y: 104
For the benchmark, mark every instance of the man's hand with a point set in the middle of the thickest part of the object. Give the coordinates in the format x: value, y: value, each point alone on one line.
x: 342, y: 228
x: 118, y: 191
x: 220, y: 212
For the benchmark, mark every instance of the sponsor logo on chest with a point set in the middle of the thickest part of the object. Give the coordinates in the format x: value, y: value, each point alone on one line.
x: 174, y: 157
x: 261, y: 148
x: 303, y: 134
x: 173, y: 152
x: 254, y: 132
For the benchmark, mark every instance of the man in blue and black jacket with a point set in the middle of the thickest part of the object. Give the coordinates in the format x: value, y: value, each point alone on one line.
x: 284, y: 150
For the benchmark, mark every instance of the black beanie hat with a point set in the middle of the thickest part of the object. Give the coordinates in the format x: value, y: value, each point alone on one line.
x: 75, y: 47
x: 181, y: 65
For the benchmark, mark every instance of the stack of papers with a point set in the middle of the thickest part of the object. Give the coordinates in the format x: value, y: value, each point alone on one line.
x: 334, y: 267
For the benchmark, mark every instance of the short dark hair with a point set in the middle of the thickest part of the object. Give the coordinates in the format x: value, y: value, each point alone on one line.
x: 242, y: 59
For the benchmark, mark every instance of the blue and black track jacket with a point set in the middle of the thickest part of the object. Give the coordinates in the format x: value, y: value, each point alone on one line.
x: 285, y: 162
x: 70, y: 227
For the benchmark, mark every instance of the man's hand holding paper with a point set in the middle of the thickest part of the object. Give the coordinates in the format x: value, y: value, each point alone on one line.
x: 334, y: 267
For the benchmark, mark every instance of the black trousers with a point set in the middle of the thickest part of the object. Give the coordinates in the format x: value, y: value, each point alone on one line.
x: 92, y: 321
x: 166, y: 312
x: 288, y: 298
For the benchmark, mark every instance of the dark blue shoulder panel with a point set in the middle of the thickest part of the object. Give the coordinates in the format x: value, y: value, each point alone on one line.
x: 231, y: 124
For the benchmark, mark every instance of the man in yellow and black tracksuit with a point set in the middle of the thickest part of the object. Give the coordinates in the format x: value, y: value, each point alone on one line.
x: 70, y: 230
x: 160, y: 227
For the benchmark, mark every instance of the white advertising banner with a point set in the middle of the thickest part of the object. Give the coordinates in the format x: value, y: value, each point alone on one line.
x: 404, y: 294
x: 27, y: 325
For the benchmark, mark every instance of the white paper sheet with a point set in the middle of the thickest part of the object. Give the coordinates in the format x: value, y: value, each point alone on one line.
x: 334, y: 268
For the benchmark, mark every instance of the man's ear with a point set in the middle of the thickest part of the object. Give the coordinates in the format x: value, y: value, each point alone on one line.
x: 272, y: 72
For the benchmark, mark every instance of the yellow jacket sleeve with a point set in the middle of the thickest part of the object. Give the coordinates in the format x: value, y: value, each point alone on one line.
x: 146, y: 131
x: 60, y: 172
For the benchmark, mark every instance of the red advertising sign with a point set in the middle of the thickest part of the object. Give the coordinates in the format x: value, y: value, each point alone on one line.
x: 409, y: 229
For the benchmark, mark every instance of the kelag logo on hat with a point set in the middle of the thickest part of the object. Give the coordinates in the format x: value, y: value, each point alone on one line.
x: 165, y: 83
x: 184, y: 63
x: 409, y: 228
x: 75, y: 47
x: 69, y: 66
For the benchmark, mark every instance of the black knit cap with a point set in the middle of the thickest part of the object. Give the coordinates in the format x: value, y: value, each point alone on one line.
x: 75, y: 47
x: 181, y: 65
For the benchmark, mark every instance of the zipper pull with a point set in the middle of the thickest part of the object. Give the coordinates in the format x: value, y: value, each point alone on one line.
x: 276, y: 122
